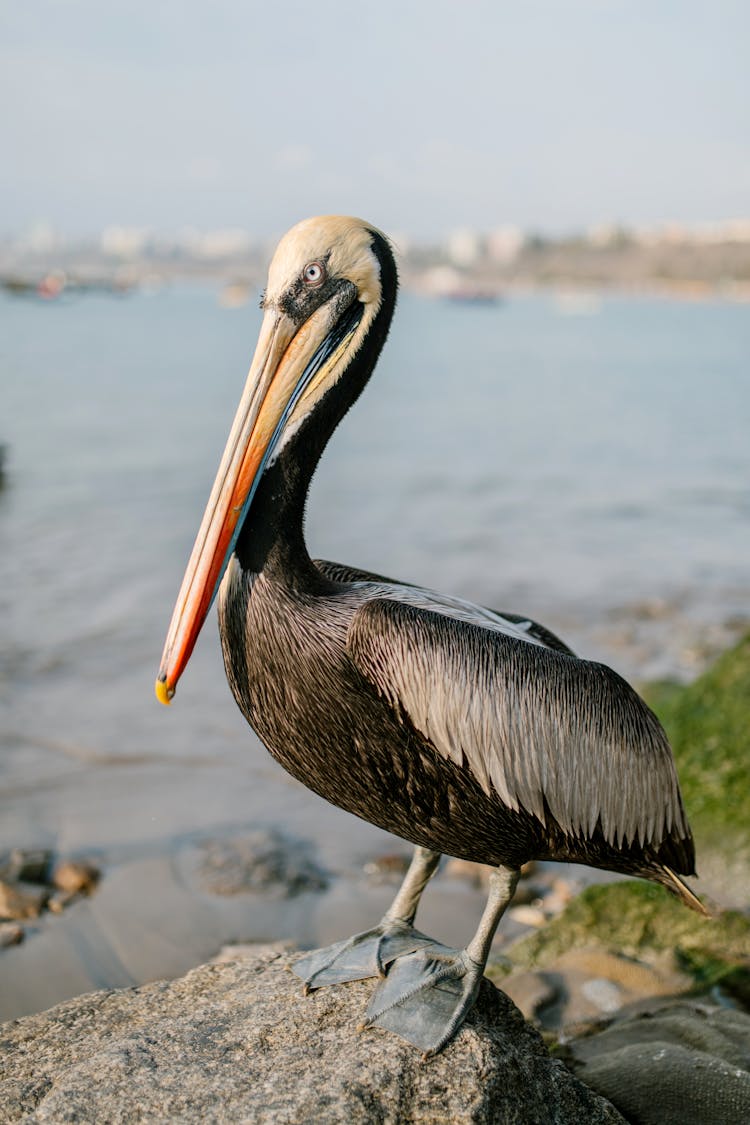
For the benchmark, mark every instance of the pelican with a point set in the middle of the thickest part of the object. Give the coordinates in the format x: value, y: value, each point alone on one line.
x: 463, y: 730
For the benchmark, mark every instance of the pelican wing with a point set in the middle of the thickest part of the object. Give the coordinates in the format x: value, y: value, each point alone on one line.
x: 540, y: 728
x: 340, y: 572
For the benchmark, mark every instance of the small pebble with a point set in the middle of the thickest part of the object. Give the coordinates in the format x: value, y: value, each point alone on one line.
x: 477, y: 874
x: 21, y: 900
x: 28, y: 865
x: 58, y: 900
x: 10, y: 934
x: 603, y: 994
x: 384, y: 866
x: 565, y: 890
x: 75, y: 878
x: 527, y: 915
x: 527, y: 894
x: 554, y: 904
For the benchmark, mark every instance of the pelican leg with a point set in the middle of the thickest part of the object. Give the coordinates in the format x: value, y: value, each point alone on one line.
x: 368, y: 954
x: 428, y: 994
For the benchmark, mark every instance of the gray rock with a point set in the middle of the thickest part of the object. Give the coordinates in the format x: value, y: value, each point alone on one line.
x: 21, y: 900
x: 687, y: 1064
x: 262, y: 860
x: 28, y: 865
x: 10, y: 934
x: 530, y: 991
x: 239, y: 1042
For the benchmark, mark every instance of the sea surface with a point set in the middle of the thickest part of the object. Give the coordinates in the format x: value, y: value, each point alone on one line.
x: 586, y: 463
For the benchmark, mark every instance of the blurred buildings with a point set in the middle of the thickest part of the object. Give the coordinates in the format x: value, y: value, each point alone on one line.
x: 706, y: 258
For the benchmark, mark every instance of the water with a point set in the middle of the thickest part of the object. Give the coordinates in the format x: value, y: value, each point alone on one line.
x: 591, y: 471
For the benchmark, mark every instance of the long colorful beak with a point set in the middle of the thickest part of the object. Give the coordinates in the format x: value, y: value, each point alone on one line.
x: 287, y: 359
x: 238, y: 471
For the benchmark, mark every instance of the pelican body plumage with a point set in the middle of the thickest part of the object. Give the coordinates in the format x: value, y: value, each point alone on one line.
x: 464, y: 730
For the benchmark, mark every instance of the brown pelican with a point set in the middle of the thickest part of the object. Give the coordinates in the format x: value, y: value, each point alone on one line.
x: 460, y: 729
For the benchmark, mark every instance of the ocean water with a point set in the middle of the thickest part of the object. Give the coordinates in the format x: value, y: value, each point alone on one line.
x: 589, y: 470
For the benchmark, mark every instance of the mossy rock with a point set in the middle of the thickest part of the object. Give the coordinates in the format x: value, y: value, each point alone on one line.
x: 708, y: 724
x: 643, y: 920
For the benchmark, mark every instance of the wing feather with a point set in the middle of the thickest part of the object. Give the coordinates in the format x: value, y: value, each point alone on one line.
x: 519, y: 625
x: 541, y: 728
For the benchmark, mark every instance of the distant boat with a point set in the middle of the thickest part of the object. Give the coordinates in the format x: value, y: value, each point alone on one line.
x: 51, y: 285
x: 56, y: 283
x: 47, y: 287
x: 19, y: 286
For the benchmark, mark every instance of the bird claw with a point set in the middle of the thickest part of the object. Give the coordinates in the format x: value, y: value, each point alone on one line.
x: 364, y: 955
x: 426, y: 996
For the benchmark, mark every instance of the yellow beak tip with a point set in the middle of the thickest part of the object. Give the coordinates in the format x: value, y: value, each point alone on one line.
x: 164, y: 691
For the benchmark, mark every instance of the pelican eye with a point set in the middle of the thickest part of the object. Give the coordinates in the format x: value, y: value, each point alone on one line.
x: 314, y: 274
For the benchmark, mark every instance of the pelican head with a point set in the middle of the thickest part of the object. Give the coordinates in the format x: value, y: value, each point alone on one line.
x: 325, y: 290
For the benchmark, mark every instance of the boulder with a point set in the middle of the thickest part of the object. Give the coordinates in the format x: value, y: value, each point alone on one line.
x: 239, y: 1042
x: 687, y: 1064
x: 263, y: 860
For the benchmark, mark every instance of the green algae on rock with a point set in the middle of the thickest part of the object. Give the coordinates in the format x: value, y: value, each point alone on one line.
x: 708, y: 724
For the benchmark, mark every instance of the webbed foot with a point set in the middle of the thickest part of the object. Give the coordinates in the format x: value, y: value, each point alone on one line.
x: 365, y: 955
x: 426, y: 996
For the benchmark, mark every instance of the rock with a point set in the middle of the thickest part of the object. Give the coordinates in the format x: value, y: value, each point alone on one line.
x: 687, y: 1064
x: 10, y: 934
x: 263, y: 860
x: 58, y: 900
x: 73, y: 877
x: 527, y: 915
x: 27, y: 865
x: 603, y: 994
x: 595, y: 982
x: 530, y: 992
x: 26, y: 886
x: 21, y: 900
x: 389, y: 868
x: 579, y: 987
x: 240, y: 1042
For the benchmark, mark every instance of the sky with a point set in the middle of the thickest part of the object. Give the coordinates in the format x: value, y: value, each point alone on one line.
x: 422, y: 117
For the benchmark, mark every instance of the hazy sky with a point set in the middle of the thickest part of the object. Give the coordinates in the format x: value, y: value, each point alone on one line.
x: 551, y: 114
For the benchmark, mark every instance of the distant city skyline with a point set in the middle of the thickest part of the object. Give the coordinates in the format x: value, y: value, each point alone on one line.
x: 424, y: 118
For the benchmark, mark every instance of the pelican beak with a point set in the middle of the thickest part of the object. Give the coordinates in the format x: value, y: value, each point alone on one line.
x: 289, y: 358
